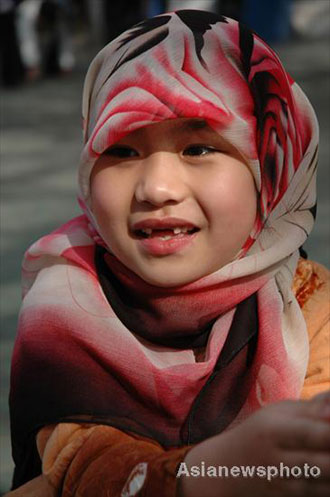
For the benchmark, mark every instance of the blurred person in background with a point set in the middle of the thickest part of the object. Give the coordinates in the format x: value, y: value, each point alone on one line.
x: 12, y: 69
x: 271, y: 19
x: 45, y: 35
x: 109, y: 19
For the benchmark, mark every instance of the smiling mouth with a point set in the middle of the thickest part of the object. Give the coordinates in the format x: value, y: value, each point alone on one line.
x: 165, y: 233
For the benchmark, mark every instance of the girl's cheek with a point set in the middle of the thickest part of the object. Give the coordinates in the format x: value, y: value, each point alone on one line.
x: 236, y: 208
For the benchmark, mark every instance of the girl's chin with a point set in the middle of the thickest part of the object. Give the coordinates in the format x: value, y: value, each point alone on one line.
x: 170, y: 277
x: 168, y: 282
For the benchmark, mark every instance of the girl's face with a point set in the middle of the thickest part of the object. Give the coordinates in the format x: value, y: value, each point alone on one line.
x: 174, y: 201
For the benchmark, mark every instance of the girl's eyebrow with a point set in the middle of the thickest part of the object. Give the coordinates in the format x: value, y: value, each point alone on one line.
x: 201, y: 125
x: 195, y: 125
x: 187, y: 125
x: 191, y: 125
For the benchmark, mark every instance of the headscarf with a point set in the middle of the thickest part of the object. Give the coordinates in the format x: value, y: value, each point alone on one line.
x: 95, y: 342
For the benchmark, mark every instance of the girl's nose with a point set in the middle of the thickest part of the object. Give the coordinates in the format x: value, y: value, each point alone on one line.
x: 161, y: 180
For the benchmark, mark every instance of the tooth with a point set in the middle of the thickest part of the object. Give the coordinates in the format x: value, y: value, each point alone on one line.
x: 167, y: 237
x: 176, y: 231
x: 184, y: 230
x: 147, y: 231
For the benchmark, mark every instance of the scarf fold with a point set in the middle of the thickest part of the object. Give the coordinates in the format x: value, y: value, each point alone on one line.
x: 96, y: 343
x: 165, y: 316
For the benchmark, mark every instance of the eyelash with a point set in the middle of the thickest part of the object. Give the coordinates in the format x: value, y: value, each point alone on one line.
x: 209, y: 150
x: 121, y: 152
x: 128, y: 152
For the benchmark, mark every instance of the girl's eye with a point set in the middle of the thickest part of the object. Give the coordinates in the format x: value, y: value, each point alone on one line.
x: 121, y: 152
x: 199, y: 150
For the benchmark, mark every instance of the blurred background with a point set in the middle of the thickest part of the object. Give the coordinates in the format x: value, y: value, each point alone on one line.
x: 46, y: 47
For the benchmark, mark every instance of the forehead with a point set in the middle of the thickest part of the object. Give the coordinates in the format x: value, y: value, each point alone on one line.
x: 174, y: 128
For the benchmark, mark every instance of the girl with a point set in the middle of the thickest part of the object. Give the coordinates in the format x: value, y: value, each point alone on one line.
x: 167, y: 324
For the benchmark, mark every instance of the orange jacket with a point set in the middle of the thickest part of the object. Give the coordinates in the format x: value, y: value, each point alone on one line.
x: 85, y: 460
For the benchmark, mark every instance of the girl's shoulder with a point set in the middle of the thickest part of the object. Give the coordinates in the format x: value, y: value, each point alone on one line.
x: 311, y: 286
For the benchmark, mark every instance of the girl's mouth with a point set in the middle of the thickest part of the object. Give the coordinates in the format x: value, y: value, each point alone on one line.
x: 165, y: 240
x: 165, y: 234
